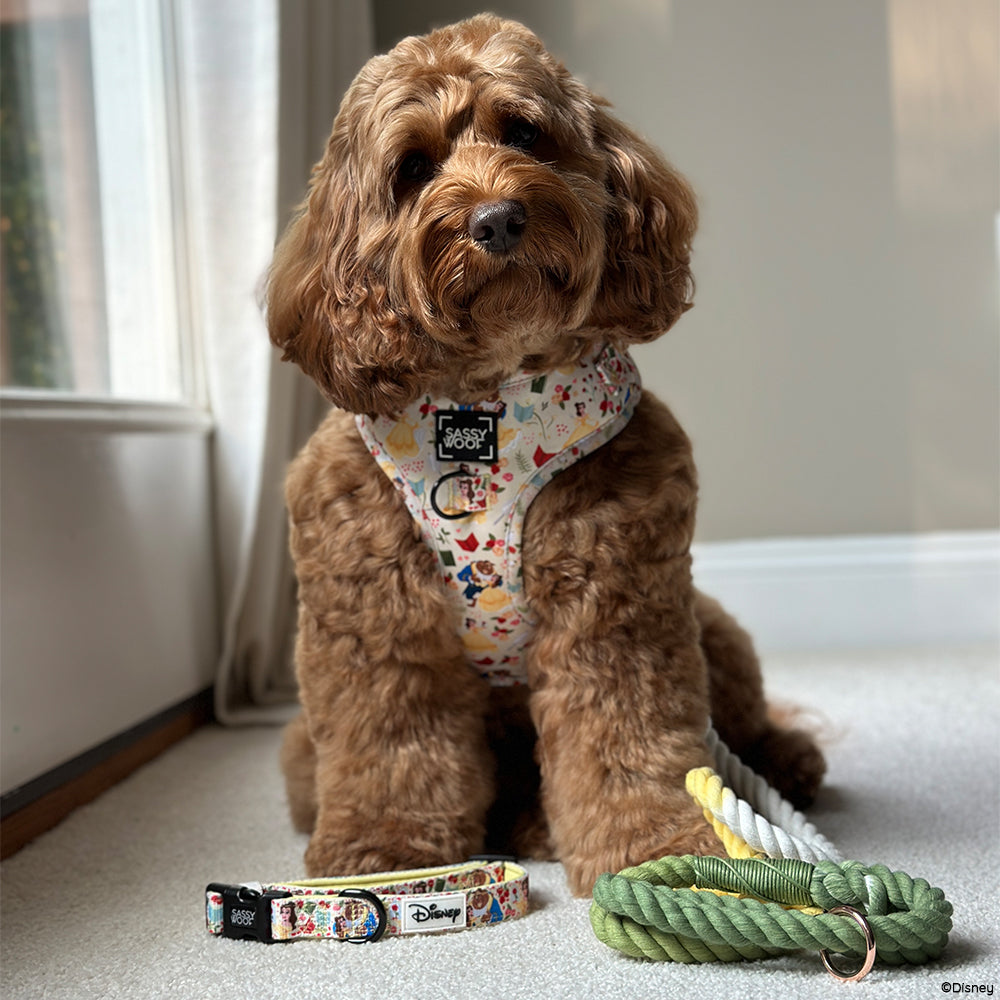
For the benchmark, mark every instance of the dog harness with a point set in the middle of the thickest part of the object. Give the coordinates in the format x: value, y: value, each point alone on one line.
x: 468, y: 474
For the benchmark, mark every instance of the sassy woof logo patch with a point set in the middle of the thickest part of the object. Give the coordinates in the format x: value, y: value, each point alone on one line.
x: 442, y: 911
x: 465, y: 436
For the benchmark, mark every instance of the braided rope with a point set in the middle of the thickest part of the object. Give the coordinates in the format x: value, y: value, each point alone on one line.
x: 740, y: 801
x: 660, y: 910
x: 770, y: 896
x: 748, y: 833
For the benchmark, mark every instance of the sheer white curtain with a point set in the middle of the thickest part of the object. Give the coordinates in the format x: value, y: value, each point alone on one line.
x: 260, y: 83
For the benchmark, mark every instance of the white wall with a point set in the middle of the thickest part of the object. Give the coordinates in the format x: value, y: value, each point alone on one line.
x: 839, y: 373
x: 108, y: 573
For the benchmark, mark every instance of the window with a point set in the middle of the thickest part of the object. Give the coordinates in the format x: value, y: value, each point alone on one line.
x: 90, y: 209
x: 136, y: 226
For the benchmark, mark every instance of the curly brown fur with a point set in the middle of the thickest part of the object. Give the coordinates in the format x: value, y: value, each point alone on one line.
x: 380, y: 291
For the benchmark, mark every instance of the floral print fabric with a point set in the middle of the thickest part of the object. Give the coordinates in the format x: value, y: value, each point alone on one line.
x: 471, y: 513
x: 487, y: 893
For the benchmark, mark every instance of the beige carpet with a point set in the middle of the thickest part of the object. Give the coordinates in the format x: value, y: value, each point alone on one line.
x: 110, y: 904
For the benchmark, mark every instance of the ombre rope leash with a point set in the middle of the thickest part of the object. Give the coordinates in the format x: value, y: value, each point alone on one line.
x: 782, y: 889
x: 748, y: 815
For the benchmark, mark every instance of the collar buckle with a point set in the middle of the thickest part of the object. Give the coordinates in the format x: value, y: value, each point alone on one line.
x: 246, y: 911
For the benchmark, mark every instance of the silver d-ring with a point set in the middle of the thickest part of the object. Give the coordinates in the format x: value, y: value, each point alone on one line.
x: 862, y: 921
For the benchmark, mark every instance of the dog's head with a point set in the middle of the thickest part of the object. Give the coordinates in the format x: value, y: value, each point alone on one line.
x: 477, y: 211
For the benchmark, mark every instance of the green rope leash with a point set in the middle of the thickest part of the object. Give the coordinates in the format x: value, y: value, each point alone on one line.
x: 652, y: 911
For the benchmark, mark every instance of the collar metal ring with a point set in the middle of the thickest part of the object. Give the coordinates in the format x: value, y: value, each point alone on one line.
x: 860, y: 919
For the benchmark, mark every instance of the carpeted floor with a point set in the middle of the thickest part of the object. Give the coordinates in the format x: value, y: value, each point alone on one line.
x: 110, y: 904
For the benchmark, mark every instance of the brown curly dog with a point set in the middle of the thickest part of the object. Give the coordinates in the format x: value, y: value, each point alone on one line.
x: 479, y: 216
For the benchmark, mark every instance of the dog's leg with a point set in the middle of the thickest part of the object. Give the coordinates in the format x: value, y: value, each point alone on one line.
x: 516, y: 823
x: 403, y: 776
x: 396, y: 719
x: 620, y: 687
x: 298, y: 762
x: 787, y: 757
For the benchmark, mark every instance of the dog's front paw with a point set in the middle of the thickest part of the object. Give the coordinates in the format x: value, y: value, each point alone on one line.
x: 392, y: 846
x: 327, y: 857
x: 581, y: 871
x: 701, y: 840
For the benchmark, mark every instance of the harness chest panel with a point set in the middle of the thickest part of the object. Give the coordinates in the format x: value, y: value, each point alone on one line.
x: 469, y: 473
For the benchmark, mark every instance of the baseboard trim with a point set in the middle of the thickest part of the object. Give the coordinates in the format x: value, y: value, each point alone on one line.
x: 32, y: 809
x: 792, y: 594
x: 854, y: 591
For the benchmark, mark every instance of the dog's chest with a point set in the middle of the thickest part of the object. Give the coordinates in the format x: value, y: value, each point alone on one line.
x: 469, y: 473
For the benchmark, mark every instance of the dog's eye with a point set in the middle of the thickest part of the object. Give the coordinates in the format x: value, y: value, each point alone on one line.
x: 415, y: 168
x: 521, y: 134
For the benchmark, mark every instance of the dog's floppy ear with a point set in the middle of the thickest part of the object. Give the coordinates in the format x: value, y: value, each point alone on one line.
x: 328, y: 305
x: 651, y: 221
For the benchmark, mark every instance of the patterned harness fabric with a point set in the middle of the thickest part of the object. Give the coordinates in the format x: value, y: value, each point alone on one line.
x: 468, y: 474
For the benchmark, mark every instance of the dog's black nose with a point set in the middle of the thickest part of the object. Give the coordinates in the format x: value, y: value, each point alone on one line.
x: 497, y: 226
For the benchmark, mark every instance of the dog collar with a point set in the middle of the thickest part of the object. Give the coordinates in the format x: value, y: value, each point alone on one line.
x: 363, y: 908
x: 468, y: 474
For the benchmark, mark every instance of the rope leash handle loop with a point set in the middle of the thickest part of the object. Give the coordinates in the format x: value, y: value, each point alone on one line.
x: 661, y: 910
x: 783, y: 887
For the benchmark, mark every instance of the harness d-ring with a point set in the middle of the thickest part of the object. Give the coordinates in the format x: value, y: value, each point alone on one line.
x: 433, y: 497
x: 866, y: 967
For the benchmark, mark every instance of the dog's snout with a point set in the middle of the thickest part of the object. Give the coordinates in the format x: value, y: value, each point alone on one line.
x: 497, y: 226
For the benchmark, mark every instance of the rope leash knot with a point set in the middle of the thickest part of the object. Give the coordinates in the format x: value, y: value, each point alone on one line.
x: 783, y: 888
x: 756, y: 908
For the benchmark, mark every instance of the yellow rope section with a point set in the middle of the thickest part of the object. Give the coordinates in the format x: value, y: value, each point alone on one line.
x: 707, y: 789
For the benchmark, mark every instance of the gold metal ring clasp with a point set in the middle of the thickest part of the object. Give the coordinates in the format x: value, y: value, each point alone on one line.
x: 860, y: 919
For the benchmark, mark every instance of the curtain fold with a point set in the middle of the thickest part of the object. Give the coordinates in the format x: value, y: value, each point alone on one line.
x: 260, y: 83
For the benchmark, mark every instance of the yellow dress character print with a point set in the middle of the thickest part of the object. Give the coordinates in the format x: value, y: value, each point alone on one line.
x: 286, y: 922
x: 582, y: 427
x: 401, y: 440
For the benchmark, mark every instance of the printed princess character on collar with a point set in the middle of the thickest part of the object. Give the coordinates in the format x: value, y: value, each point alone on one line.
x: 286, y: 922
